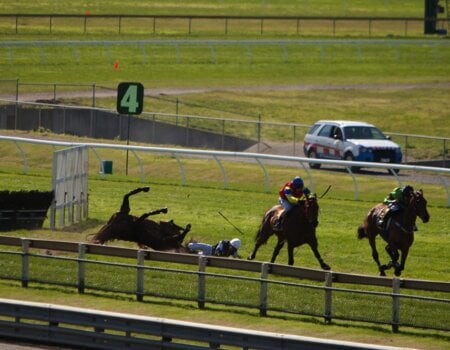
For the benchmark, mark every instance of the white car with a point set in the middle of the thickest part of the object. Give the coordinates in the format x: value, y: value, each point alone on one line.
x: 349, y: 140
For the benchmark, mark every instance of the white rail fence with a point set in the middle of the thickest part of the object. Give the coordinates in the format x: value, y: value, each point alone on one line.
x: 261, y: 159
x: 94, y: 329
x: 213, y: 280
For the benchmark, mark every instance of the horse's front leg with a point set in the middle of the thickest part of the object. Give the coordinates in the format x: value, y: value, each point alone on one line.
x: 314, y: 247
x: 154, y: 212
x: 290, y: 254
x: 277, y: 249
x: 400, y: 267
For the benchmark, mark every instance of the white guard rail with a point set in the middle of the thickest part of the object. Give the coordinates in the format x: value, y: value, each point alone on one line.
x: 94, y: 329
x: 240, y: 156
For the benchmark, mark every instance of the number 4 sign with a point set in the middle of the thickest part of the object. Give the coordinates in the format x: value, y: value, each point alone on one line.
x: 130, y: 98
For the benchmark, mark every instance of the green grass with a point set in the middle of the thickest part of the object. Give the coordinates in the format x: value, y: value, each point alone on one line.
x: 381, y: 8
x: 421, y: 111
x: 244, y: 204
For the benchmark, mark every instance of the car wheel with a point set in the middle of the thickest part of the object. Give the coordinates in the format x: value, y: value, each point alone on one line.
x: 349, y: 158
x: 313, y: 154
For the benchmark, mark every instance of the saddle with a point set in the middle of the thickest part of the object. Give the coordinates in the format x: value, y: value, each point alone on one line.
x: 383, y: 223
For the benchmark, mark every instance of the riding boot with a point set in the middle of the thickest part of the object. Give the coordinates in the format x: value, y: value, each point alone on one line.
x: 279, y: 223
x: 385, y: 228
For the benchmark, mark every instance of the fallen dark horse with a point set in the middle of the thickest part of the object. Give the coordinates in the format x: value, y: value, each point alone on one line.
x: 165, y: 235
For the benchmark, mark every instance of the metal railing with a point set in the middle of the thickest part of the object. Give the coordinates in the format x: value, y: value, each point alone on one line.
x: 322, y: 294
x: 94, y: 329
x: 260, y: 159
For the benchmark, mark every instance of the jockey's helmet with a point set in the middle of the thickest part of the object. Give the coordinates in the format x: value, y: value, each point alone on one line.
x: 236, y: 243
x: 297, y: 182
x: 407, y: 190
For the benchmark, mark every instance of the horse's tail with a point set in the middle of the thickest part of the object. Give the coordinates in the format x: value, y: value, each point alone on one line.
x: 362, y: 232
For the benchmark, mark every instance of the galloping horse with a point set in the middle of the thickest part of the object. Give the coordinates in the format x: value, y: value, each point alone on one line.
x: 165, y: 235
x: 400, y: 235
x: 299, y: 227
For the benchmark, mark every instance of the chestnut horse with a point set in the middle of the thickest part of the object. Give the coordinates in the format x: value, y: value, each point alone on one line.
x: 400, y: 231
x: 165, y: 235
x: 299, y: 227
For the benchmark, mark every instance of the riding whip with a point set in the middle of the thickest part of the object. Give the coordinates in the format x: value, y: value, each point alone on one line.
x: 237, y: 229
x: 323, y: 195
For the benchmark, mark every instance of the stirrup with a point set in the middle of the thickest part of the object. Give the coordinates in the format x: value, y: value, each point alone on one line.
x: 278, y: 226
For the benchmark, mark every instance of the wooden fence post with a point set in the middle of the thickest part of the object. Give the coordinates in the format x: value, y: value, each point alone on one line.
x: 263, y: 290
x: 81, y: 266
x: 395, y: 304
x: 140, y: 275
x: 25, y: 262
x: 328, y: 297
x: 202, y: 261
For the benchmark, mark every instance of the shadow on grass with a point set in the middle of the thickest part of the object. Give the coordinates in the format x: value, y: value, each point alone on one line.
x: 213, y: 309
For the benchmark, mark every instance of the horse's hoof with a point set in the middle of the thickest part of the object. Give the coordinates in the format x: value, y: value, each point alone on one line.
x: 164, y: 210
x: 325, y: 266
x: 145, y: 189
x: 188, y: 227
x: 250, y: 257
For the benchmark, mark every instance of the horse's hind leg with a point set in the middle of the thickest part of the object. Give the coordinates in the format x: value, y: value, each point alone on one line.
x: 125, y: 208
x: 376, y: 257
x: 255, y: 249
x: 261, y: 238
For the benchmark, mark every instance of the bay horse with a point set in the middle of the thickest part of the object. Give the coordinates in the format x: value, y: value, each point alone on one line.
x: 299, y: 227
x: 165, y: 235
x: 400, y: 231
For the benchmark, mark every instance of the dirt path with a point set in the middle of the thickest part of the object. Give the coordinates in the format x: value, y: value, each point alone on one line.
x: 102, y: 92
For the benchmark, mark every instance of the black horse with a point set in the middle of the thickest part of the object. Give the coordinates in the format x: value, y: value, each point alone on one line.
x: 400, y: 235
x: 299, y: 227
x: 165, y: 235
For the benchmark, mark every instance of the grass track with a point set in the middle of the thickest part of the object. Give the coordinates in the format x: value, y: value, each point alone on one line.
x: 421, y: 112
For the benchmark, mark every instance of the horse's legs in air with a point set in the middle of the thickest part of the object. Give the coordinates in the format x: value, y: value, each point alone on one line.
x: 154, y: 212
x: 314, y: 247
x: 125, y: 208
x: 277, y: 249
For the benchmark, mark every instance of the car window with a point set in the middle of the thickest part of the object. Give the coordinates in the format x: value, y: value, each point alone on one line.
x: 326, y: 131
x: 363, y: 133
x: 313, y: 128
x: 377, y: 134
x: 338, y: 133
